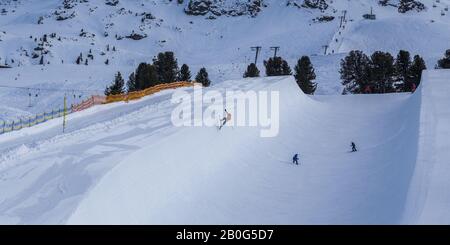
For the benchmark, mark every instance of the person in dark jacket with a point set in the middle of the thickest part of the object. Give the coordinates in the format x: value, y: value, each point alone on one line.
x: 354, y: 147
x: 295, y: 159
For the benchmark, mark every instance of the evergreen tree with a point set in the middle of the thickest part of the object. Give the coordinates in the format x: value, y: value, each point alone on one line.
x: 286, y: 70
x: 277, y: 66
x: 252, y: 71
x: 444, y: 63
x: 203, y: 78
x: 141, y: 76
x: 152, y: 77
x: 355, y: 72
x: 272, y: 67
x: 382, y: 71
x: 117, y: 87
x: 131, y: 83
x: 41, y: 62
x: 185, y: 74
x: 402, y: 68
x: 166, y: 66
x: 146, y: 76
x: 304, y: 74
x: 418, y: 65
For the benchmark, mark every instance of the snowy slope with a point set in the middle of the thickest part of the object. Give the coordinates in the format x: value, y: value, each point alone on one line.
x: 127, y: 163
x: 429, y: 198
x: 44, y: 173
x: 235, y: 177
x: 116, y: 163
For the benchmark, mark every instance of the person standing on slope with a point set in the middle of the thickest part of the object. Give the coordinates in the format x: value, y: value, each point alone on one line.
x: 354, y: 147
x: 225, y: 119
x: 295, y: 159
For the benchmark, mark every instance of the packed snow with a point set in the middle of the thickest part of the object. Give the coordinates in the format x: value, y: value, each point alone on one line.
x: 126, y: 163
x: 236, y: 177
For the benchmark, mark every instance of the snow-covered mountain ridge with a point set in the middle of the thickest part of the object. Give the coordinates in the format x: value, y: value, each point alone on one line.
x: 94, y: 23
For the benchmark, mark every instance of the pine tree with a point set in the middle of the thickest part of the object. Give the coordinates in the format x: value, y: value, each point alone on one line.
x: 152, y: 77
x: 146, y: 76
x: 285, y: 69
x: 355, y: 72
x: 185, y: 74
x: 417, y: 66
x: 444, y: 63
x: 304, y: 74
x: 382, y: 71
x: 252, y: 71
x: 41, y: 62
x: 141, y: 76
x: 131, y: 83
x: 277, y: 66
x: 203, y: 78
x: 166, y: 66
x: 117, y: 87
x: 402, y: 68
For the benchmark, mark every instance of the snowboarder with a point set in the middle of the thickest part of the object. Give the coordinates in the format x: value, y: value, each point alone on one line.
x: 354, y: 147
x: 295, y: 159
x: 225, y: 119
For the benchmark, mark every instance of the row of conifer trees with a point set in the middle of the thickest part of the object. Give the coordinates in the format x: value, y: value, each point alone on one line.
x: 164, y: 69
x: 378, y: 73
x: 381, y: 72
x: 276, y: 66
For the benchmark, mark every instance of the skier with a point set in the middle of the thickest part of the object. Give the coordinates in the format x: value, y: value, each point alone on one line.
x: 295, y: 159
x: 225, y: 119
x: 354, y: 147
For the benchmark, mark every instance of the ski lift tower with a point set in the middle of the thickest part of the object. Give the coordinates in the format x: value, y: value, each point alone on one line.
x: 257, y: 49
x: 370, y: 16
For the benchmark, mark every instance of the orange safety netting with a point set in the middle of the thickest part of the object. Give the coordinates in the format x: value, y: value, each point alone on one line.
x: 93, y: 100
x: 98, y: 99
x: 139, y: 94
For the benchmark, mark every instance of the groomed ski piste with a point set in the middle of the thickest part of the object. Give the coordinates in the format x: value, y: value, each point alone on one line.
x: 127, y: 164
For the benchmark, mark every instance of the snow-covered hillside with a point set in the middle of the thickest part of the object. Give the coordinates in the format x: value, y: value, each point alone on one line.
x: 219, y: 38
x: 126, y: 163
x: 240, y: 178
